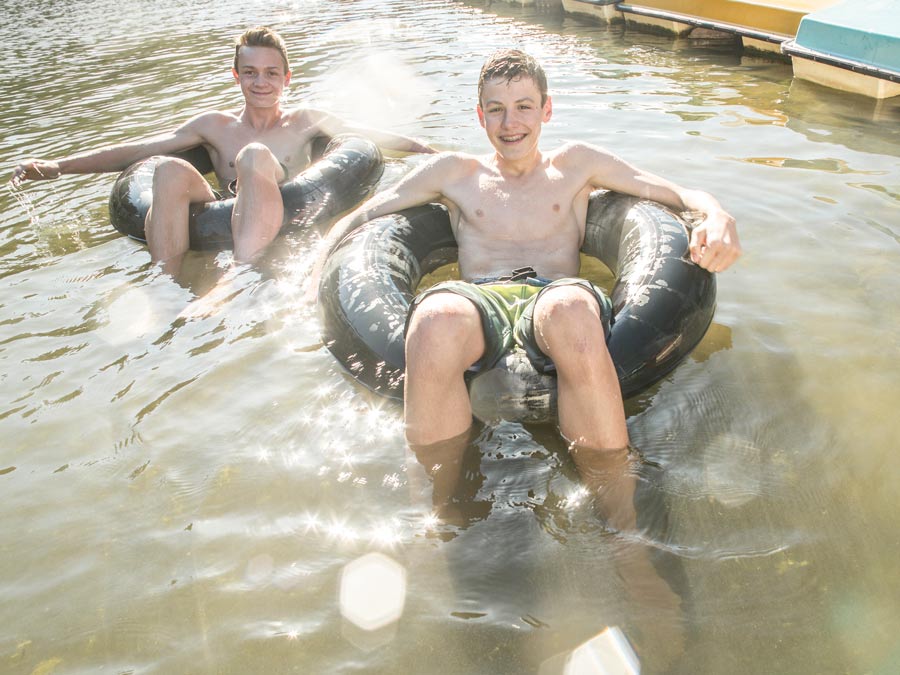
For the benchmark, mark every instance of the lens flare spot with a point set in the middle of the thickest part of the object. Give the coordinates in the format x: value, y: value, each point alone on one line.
x: 608, y: 653
x: 373, y: 591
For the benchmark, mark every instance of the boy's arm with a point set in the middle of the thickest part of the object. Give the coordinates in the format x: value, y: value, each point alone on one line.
x: 391, y: 141
x: 110, y: 158
x: 714, y: 241
x: 422, y: 185
x: 331, y: 125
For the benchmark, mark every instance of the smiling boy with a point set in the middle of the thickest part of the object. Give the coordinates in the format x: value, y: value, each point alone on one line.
x: 253, y: 151
x: 521, y: 207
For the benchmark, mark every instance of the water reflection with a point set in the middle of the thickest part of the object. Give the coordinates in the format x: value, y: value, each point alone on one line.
x: 833, y: 117
x: 454, y: 466
x: 612, y: 505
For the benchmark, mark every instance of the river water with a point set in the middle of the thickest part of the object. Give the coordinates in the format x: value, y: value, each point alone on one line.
x: 182, y: 488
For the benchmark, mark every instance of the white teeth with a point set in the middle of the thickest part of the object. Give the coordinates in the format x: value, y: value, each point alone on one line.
x: 512, y: 139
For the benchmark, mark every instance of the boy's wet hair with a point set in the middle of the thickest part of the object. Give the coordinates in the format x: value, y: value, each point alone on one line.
x: 511, y: 64
x: 262, y: 36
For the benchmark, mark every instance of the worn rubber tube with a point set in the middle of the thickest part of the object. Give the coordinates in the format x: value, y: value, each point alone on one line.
x: 346, y: 174
x: 662, y: 302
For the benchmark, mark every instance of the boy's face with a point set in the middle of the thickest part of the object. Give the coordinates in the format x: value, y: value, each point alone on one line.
x: 511, y: 114
x: 261, y: 76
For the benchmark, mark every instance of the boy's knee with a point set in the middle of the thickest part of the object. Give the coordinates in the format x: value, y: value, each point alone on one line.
x: 173, y: 171
x: 568, y: 325
x: 256, y: 158
x: 443, y: 324
x: 567, y: 305
x: 176, y: 182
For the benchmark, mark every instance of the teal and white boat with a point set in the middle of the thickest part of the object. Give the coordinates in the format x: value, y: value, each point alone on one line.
x: 853, y: 45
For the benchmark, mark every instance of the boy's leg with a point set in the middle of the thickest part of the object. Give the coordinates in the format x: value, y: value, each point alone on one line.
x: 443, y: 340
x: 258, y: 208
x: 175, y: 185
x: 568, y: 328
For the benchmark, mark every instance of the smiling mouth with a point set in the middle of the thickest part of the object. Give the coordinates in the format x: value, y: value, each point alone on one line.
x: 512, y: 139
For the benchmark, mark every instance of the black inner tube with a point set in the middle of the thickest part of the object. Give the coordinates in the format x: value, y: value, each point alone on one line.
x: 662, y: 302
x: 346, y: 173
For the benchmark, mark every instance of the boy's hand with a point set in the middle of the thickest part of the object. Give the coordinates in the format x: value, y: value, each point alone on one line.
x: 34, y: 169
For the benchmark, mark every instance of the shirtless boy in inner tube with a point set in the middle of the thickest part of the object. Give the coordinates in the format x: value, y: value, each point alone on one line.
x: 254, y: 150
x: 515, y: 208
x: 523, y: 208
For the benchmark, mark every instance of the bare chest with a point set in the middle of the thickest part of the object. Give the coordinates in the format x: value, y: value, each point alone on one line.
x: 502, y: 226
x: 290, y: 148
x: 530, y: 211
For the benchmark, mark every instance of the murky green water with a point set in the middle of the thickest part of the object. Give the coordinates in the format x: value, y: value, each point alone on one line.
x: 180, y: 492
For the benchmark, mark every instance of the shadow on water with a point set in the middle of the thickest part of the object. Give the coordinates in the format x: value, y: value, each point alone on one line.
x: 730, y: 552
x: 746, y: 510
x: 536, y: 540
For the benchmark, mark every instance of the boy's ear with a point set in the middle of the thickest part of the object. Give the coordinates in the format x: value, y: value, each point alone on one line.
x: 480, y: 114
x: 234, y: 74
x: 287, y: 78
x: 548, y: 109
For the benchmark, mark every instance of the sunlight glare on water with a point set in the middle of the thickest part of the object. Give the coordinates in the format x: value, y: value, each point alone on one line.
x: 377, y: 87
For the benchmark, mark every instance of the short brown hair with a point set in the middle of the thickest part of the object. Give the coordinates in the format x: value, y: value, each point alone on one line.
x: 262, y: 36
x: 511, y: 64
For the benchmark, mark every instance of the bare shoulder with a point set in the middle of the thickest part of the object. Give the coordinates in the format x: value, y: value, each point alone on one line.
x: 591, y: 164
x: 303, y: 119
x: 207, y: 124
x: 450, y: 166
x: 303, y: 115
x: 455, y: 161
x: 579, y: 152
x: 440, y: 177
